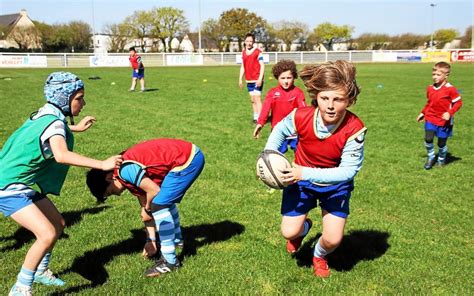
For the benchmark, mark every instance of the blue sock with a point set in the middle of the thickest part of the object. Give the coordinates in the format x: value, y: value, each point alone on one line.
x: 319, y: 251
x: 25, y: 277
x: 430, y: 150
x: 44, y: 263
x: 165, y: 227
x: 306, y: 227
x: 443, y: 151
x: 177, y: 225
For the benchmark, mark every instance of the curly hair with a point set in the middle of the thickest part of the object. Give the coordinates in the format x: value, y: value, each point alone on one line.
x: 283, y: 66
x: 331, y: 76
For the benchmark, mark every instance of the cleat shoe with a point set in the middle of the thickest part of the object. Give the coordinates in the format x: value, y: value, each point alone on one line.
x: 440, y: 163
x: 293, y: 245
x: 48, y: 278
x: 429, y: 163
x: 320, y: 267
x: 20, y: 291
x: 162, y: 266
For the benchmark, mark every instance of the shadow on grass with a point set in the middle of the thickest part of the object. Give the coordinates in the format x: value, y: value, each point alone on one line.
x: 356, y: 246
x: 449, y: 158
x: 91, y: 265
x: 23, y: 236
x: 151, y: 89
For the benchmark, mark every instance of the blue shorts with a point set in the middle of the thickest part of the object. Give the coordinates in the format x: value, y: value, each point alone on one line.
x: 254, y: 89
x: 13, y: 203
x: 175, y: 184
x: 299, y: 198
x: 140, y: 74
x: 288, y: 142
x: 440, y: 131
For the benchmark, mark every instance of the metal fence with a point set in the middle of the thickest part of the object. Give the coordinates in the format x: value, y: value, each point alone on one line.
x: 77, y: 60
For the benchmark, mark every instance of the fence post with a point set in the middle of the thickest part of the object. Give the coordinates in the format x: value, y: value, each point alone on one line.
x: 326, y: 56
x: 222, y: 59
x: 350, y: 56
x: 301, y: 58
x: 65, y: 60
x: 164, y: 60
x: 276, y: 57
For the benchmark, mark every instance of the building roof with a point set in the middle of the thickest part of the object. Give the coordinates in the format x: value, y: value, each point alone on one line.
x: 9, y: 19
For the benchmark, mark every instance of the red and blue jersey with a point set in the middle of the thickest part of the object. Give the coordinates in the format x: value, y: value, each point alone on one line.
x: 315, y: 152
x: 251, y: 62
x: 440, y: 100
x: 136, y: 62
x: 155, y: 158
x: 280, y: 102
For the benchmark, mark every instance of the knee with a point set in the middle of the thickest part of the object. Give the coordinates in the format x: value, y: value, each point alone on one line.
x: 290, y: 232
x: 49, y: 236
x: 331, y: 241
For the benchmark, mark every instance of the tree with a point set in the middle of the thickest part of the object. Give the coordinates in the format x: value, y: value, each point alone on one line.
x: 328, y: 34
x: 266, y: 35
x: 288, y: 32
x: 213, y: 33
x: 443, y: 36
x: 372, y: 41
x: 237, y: 22
x: 79, y: 36
x: 466, y: 40
x: 25, y: 37
x: 168, y: 22
x: 119, y: 36
x: 408, y: 41
x: 140, y: 24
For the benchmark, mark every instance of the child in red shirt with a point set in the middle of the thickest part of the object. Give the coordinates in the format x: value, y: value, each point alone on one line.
x: 281, y: 100
x: 138, y: 69
x: 443, y: 101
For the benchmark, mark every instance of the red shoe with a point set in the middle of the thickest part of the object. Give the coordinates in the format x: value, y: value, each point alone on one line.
x: 293, y: 245
x: 320, y: 267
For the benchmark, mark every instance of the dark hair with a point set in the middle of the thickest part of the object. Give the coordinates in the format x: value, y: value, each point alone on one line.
x: 442, y: 65
x: 97, y: 183
x: 132, y: 48
x: 250, y: 35
x: 331, y: 76
x: 283, y: 66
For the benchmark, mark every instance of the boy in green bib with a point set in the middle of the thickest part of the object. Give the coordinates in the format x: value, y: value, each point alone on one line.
x: 33, y: 163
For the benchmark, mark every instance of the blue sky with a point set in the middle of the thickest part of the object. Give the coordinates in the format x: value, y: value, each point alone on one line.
x: 375, y: 16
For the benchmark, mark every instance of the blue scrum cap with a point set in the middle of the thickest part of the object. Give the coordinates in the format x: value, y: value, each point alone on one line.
x: 59, y: 87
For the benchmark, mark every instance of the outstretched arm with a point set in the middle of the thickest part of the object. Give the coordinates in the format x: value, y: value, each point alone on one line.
x: 64, y: 156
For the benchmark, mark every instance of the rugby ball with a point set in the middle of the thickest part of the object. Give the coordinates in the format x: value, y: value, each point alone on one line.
x: 270, y: 165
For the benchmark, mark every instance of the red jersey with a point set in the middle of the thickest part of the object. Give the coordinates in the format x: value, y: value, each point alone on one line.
x: 323, y: 153
x: 280, y: 102
x: 251, y: 64
x: 136, y: 62
x: 440, y: 100
x: 157, y: 157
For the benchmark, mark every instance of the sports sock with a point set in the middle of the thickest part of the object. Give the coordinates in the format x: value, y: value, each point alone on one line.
x: 306, y: 227
x: 44, y: 263
x: 319, y: 251
x: 165, y: 227
x: 443, y: 151
x: 25, y: 277
x: 430, y: 150
x: 177, y: 225
x: 255, y: 116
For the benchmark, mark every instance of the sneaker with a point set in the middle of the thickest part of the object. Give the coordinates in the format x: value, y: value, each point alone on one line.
x: 429, y: 163
x: 48, y: 278
x: 293, y: 245
x: 441, y: 163
x: 320, y: 267
x: 20, y: 291
x: 131, y: 90
x: 162, y: 266
x: 143, y: 90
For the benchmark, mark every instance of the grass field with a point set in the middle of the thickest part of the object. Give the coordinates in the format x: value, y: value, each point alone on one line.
x: 410, y: 231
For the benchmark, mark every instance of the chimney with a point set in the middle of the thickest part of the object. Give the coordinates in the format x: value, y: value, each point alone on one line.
x: 23, y: 12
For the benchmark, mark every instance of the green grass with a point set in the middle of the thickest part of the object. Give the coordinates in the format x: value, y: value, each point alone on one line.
x: 410, y: 231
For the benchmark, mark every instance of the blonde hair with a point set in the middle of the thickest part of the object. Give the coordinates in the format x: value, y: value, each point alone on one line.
x: 331, y: 76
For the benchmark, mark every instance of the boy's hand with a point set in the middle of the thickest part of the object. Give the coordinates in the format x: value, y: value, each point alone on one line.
x: 256, y: 132
x: 292, y: 175
x: 84, y: 124
x: 150, y: 249
x: 259, y: 83
x: 241, y: 85
x: 446, y: 116
x: 112, y: 162
x: 420, y: 117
